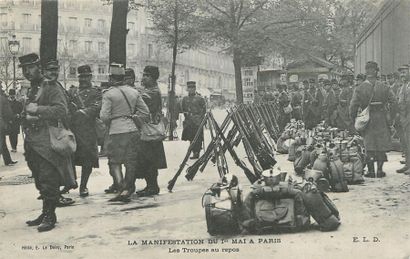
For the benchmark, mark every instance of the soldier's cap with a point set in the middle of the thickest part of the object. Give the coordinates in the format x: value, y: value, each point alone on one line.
x: 312, y: 80
x: 84, y: 70
x: 305, y: 82
x: 29, y: 59
x: 334, y: 81
x: 383, y: 76
x: 129, y: 72
x: 360, y: 77
x: 403, y: 67
x: 282, y: 86
x: 372, y: 65
x: 12, y: 92
x: 117, y: 69
x: 51, y: 65
x: 191, y: 84
x: 390, y: 75
x: 152, y: 71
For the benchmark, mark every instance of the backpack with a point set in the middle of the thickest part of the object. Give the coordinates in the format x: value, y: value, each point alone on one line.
x: 353, y: 171
x: 302, y: 160
x: 321, y: 208
x: 336, y: 175
x: 221, y: 214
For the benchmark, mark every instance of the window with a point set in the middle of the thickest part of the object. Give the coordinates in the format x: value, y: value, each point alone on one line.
x: 87, y: 46
x: 72, y: 45
x: 131, y: 49
x: 101, y: 69
x: 101, y: 25
x: 101, y: 47
x: 27, y: 44
x: 3, y: 19
x: 87, y: 22
x: 26, y: 18
x: 131, y: 26
x: 73, y: 71
x: 248, y: 72
x: 150, y: 50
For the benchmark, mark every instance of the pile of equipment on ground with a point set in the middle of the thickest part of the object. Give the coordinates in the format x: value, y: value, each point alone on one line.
x: 273, y: 204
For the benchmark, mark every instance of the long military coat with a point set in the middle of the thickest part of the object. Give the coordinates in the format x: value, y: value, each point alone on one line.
x: 194, y: 109
x: 377, y: 135
x: 88, y: 99
x: 17, y: 108
x: 52, y: 107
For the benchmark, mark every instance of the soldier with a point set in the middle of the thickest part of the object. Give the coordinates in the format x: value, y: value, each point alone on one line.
x: 343, y: 119
x: 46, y: 105
x: 283, y: 102
x: 6, y: 115
x: 87, y: 100
x: 194, y: 109
x: 123, y: 110
x: 330, y: 104
x: 296, y: 102
x: 14, y: 130
x: 308, y: 106
x: 336, y: 88
x: 359, y: 79
x: 153, y: 157
x: 376, y: 135
x: 318, y: 100
x: 404, y: 115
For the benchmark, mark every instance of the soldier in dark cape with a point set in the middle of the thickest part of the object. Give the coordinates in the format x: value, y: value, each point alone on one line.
x: 194, y: 109
x: 17, y: 108
x: 153, y: 156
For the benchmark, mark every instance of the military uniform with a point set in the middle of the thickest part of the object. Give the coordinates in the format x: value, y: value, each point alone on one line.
x: 404, y: 116
x: 309, y: 111
x: 194, y: 109
x: 14, y: 130
x: 283, y: 101
x: 344, y: 121
x: 296, y: 99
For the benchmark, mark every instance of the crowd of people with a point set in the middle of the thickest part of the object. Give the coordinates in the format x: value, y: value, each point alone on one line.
x: 121, y: 106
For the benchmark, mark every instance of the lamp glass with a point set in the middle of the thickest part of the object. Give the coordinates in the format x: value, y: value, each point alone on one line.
x: 14, y: 47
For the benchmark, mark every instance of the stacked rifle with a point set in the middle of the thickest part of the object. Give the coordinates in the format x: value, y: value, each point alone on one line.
x: 254, y: 125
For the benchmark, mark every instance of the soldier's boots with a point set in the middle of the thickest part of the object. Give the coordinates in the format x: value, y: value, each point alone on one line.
x: 152, y: 185
x: 37, y: 221
x: 402, y: 170
x: 50, y: 218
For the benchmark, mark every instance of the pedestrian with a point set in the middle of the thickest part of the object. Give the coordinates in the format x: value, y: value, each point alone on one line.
x: 46, y: 106
x: 194, y: 109
x: 153, y: 157
x: 404, y: 115
x: 87, y: 100
x: 6, y: 116
x: 377, y: 137
x: 14, y: 129
x: 123, y: 111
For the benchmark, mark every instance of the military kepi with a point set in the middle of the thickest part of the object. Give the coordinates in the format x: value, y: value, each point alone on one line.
x: 29, y: 59
x: 191, y: 84
x: 152, y: 71
x: 52, y: 64
x: 117, y: 69
x: 84, y: 70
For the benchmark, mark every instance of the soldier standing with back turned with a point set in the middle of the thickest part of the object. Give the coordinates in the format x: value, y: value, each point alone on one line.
x: 194, y: 109
x: 88, y: 103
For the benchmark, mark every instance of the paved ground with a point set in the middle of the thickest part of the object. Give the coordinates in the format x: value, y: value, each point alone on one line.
x: 377, y: 211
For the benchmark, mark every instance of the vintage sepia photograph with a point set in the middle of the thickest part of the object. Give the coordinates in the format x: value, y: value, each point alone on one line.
x: 205, y: 129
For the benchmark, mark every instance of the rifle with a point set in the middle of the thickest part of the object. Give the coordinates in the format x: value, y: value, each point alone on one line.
x: 251, y: 176
x: 172, y: 182
x: 248, y: 148
x: 203, y: 160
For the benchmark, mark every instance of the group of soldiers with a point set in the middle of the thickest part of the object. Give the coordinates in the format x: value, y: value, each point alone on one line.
x: 121, y: 106
x: 338, y: 103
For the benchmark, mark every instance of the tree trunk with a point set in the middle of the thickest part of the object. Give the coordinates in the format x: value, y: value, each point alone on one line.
x: 118, y: 32
x: 171, y: 95
x: 49, y: 29
x: 237, y: 63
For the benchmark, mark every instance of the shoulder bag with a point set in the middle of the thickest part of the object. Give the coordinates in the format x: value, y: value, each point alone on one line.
x: 363, y: 117
x: 62, y: 140
x: 149, y: 131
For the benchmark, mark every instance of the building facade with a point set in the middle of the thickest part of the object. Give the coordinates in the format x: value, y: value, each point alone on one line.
x: 83, y: 38
x: 386, y: 39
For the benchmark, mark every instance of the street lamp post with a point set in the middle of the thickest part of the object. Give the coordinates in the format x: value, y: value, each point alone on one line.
x: 14, y: 46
